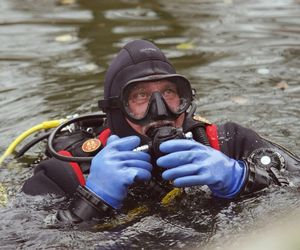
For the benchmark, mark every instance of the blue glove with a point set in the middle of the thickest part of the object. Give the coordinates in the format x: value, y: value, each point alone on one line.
x: 116, y: 167
x: 190, y: 163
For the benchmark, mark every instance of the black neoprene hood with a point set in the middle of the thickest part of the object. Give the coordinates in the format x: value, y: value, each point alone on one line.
x: 139, y: 60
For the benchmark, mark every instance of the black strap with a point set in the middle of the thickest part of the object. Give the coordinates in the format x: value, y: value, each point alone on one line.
x: 110, y: 103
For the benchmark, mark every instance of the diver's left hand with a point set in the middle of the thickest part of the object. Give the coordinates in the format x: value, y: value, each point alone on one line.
x: 189, y: 163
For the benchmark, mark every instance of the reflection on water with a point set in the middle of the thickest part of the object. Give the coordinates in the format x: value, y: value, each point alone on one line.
x: 241, y: 56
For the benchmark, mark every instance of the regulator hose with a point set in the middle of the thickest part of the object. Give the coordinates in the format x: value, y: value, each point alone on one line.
x: 29, y: 145
x: 19, y: 139
x: 52, y: 136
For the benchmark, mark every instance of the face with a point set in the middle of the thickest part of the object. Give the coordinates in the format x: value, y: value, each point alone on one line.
x: 138, y: 101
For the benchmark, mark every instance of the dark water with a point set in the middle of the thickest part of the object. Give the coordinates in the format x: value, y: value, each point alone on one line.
x: 241, y: 56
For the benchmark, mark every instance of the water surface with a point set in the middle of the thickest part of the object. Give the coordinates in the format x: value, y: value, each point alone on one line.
x: 242, y: 57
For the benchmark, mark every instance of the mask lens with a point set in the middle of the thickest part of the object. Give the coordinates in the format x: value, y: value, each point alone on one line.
x: 136, y: 101
x: 137, y: 97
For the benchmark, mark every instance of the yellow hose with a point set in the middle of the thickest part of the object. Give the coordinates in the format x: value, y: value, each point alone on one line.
x: 43, y: 125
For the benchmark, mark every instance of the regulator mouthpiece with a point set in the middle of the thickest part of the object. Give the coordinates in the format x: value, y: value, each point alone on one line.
x: 160, y: 135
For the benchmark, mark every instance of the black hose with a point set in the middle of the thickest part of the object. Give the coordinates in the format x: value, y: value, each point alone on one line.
x: 29, y: 145
x: 200, y: 135
x: 59, y: 128
x: 199, y: 131
x: 192, y: 111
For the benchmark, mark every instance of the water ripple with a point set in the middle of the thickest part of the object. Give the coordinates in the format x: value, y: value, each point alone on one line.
x: 131, y: 14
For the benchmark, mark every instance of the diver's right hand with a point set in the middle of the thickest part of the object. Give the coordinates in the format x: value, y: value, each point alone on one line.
x: 116, y: 167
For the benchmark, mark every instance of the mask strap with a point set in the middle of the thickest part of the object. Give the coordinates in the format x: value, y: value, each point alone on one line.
x: 110, y: 103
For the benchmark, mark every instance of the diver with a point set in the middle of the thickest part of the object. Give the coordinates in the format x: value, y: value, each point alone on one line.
x: 150, y: 142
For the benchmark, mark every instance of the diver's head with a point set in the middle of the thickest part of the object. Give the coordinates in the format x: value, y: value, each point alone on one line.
x: 142, y: 91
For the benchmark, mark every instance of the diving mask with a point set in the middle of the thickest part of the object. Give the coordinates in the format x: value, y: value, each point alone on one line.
x: 143, y: 102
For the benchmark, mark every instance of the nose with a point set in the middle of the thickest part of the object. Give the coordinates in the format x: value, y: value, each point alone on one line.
x: 158, y: 109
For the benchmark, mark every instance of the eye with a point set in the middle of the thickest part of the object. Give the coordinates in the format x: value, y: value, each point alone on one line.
x: 139, y: 95
x: 169, y: 93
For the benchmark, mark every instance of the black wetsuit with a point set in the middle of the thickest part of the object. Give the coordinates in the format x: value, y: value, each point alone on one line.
x: 237, y: 142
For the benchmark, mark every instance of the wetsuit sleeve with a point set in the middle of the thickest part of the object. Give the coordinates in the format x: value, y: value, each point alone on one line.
x: 85, y: 205
x: 58, y: 177
x: 266, y: 162
x: 53, y: 176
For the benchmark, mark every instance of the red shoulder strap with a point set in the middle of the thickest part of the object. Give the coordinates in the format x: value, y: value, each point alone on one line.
x: 104, y: 136
x: 75, y: 167
x: 212, y: 135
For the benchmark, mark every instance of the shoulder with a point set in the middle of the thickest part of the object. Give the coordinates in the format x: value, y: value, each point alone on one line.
x: 238, y: 141
x: 53, y: 176
x: 232, y: 130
